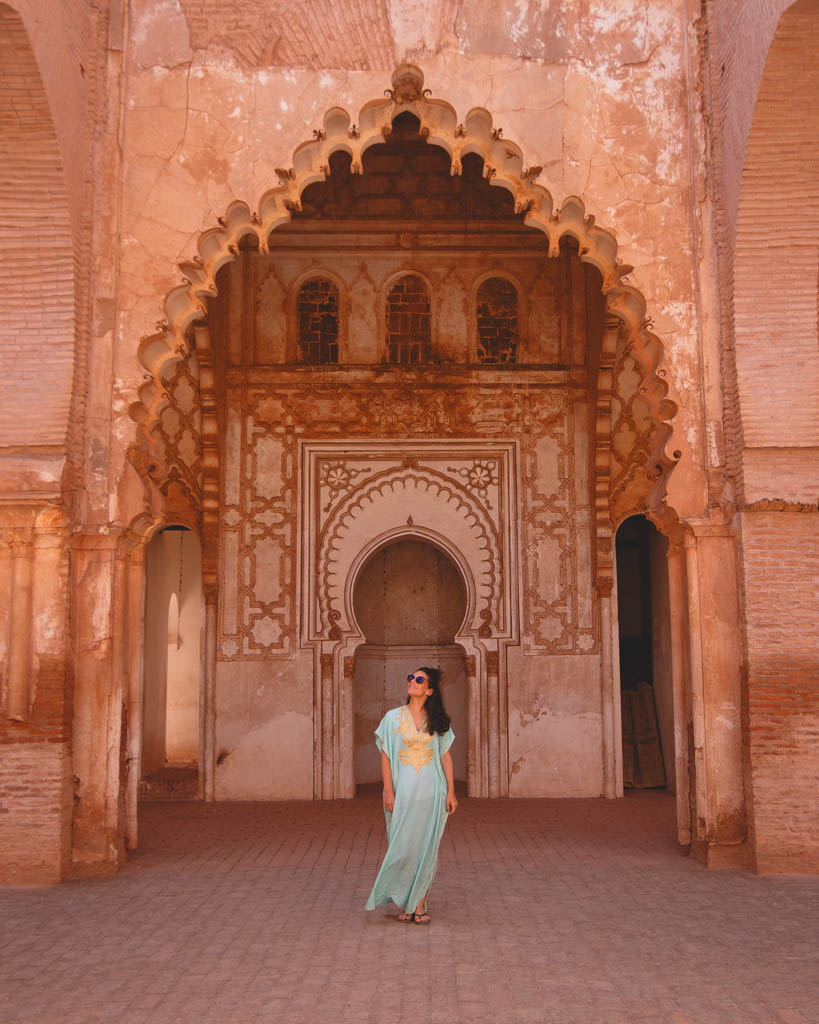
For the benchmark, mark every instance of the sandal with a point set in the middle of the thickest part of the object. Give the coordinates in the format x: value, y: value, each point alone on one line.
x: 422, y: 918
x: 405, y: 918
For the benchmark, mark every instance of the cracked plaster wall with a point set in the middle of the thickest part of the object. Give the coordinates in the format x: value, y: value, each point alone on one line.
x: 602, y: 107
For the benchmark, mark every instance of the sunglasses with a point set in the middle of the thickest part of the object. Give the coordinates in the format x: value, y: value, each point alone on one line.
x: 417, y: 679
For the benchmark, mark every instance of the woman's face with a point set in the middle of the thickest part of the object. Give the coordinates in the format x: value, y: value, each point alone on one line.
x: 418, y: 684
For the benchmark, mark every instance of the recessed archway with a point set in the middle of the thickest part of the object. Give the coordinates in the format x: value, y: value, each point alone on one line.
x: 171, y: 724
x: 410, y: 602
x: 645, y: 664
x: 627, y: 325
x: 625, y: 350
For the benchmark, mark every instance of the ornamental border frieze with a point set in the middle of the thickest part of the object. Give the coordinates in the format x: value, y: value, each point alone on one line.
x: 411, y: 491
x: 465, y: 428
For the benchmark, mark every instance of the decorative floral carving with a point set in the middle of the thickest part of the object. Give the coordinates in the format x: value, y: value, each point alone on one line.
x: 480, y: 476
x: 337, y: 478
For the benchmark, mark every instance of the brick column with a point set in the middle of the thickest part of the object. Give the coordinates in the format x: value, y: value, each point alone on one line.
x: 780, y: 575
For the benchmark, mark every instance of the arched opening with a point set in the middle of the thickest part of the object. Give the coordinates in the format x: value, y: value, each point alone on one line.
x: 410, y: 602
x: 415, y: 198
x: 646, y: 682
x: 172, y: 665
x: 496, y: 316
x: 317, y: 311
x: 408, y: 321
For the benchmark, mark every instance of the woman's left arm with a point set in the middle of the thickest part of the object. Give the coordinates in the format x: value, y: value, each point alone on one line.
x: 449, y: 772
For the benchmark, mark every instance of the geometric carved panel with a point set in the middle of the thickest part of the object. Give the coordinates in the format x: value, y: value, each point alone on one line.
x: 459, y: 494
x: 546, y: 424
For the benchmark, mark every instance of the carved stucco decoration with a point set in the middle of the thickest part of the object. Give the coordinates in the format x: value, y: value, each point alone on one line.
x: 179, y: 435
x: 503, y: 167
x: 409, y: 488
x: 260, y: 534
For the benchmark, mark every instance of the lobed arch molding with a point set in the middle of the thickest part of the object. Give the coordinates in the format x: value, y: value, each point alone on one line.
x: 462, y: 530
x: 626, y: 320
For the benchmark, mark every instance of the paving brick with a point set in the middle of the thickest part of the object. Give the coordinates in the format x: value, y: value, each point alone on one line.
x: 547, y: 911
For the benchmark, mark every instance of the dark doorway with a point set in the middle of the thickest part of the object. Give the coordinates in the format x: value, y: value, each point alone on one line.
x: 646, y: 697
x: 410, y: 601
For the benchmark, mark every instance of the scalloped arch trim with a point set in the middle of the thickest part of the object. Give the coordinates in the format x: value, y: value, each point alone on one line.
x: 503, y: 167
x: 381, y: 506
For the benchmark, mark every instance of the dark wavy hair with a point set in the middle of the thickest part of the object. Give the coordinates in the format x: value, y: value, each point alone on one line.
x: 437, y: 718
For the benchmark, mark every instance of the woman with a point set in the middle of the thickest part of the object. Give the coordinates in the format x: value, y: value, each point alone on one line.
x: 419, y: 793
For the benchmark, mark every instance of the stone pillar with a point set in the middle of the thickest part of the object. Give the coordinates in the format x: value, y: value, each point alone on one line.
x: 492, y: 722
x: 208, y: 692
x: 116, y: 768
x: 472, y: 726
x: 97, y: 589
x: 677, y: 610
x: 133, y: 694
x: 346, y: 739
x: 19, y: 664
x: 607, y: 696
x: 715, y: 667
x: 327, y: 745
x: 615, y: 690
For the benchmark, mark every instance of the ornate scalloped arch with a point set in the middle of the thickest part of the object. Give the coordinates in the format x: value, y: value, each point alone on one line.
x: 407, y: 499
x: 503, y: 167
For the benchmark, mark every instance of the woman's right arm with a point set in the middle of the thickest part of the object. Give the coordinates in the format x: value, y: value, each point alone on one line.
x: 386, y: 775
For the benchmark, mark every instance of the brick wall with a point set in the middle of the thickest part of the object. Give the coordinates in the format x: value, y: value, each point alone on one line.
x: 736, y: 37
x: 35, y: 759
x: 762, y: 93
x: 37, y: 299
x: 35, y: 828
x: 780, y: 564
x: 408, y: 321
x: 775, y: 263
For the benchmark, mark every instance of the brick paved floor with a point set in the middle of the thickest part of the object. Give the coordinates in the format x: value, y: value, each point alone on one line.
x: 543, y: 911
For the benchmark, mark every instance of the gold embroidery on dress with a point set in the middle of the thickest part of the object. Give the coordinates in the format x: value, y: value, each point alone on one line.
x: 418, y: 750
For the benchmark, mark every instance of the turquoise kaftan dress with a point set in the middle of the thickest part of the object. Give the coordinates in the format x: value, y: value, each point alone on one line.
x: 416, y: 824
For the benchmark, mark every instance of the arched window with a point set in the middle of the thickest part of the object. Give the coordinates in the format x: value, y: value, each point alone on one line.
x: 497, y: 315
x: 408, y: 321
x: 317, y: 312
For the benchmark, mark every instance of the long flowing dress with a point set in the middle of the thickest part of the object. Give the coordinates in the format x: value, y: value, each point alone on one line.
x: 417, y: 820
